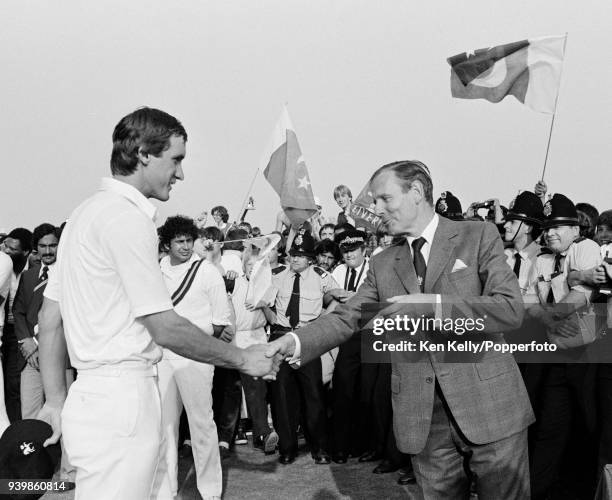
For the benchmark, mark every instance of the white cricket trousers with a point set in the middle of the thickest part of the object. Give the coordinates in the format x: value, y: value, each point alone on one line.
x: 111, y: 423
x: 186, y: 382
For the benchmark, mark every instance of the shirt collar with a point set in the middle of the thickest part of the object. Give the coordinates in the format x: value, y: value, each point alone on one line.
x: 42, y: 266
x: 530, y: 251
x: 131, y: 193
x: 165, y: 265
x: 428, y: 232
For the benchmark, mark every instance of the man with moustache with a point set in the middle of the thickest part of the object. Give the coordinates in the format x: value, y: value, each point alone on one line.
x: 328, y: 254
x: 108, y: 305
x: 17, y: 245
x: 445, y: 414
x: 26, y: 306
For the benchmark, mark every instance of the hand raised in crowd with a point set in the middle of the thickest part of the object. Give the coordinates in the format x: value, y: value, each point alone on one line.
x: 540, y: 190
x: 53, y: 416
x: 283, y: 347
x: 257, y: 363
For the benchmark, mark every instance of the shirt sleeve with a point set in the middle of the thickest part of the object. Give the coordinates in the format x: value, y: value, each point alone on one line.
x: 582, y: 256
x: 6, y: 269
x: 336, y: 274
x: 297, y: 353
x: 215, y: 288
x: 131, y: 242
x: 329, y: 283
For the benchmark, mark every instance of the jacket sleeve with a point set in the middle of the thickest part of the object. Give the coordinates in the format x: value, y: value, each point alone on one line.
x: 335, y: 328
x: 20, y: 311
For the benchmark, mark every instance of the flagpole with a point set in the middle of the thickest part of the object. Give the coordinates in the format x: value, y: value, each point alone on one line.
x: 246, y: 199
x: 552, y: 124
x: 552, y: 121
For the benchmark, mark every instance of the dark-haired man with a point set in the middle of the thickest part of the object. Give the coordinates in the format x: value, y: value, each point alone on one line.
x: 17, y: 245
x: 28, y: 300
x: 327, y: 232
x: 108, y: 292
x: 328, y: 254
x: 444, y: 415
x: 199, y: 295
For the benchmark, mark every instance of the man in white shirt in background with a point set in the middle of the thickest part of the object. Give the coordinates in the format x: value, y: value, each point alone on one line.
x: 251, y: 323
x: 198, y: 294
x: 109, y: 297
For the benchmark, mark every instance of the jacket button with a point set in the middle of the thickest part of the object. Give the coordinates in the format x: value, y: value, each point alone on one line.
x: 429, y: 380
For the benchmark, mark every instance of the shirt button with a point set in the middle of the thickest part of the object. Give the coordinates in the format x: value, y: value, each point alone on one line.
x: 429, y: 380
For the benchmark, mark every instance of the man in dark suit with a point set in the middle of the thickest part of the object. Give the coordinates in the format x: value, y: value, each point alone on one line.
x: 448, y: 416
x: 26, y: 305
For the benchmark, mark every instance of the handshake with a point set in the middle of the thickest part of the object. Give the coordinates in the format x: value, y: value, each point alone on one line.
x: 263, y: 360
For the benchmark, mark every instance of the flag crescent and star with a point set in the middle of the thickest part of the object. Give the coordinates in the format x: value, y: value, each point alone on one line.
x: 286, y: 172
x: 529, y: 70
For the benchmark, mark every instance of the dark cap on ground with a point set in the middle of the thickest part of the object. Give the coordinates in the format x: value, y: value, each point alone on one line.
x: 22, y: 455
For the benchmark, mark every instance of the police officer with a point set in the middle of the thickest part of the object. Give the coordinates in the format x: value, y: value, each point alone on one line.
x: 522, y: 228
x: 449, y: 206
x: 301, y: 290
x: 566, y: 403
x: 346, y: 378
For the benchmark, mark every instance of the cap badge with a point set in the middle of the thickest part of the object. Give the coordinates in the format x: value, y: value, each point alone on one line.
x: 548, y: 209
x: 442, y: 206
x: 27, y: 448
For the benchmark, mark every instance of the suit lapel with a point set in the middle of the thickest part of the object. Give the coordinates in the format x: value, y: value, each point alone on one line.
x: 441, y: 251
x: 404, y: 268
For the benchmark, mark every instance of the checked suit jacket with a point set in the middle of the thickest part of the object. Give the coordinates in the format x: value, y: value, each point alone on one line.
x: 487, y: 398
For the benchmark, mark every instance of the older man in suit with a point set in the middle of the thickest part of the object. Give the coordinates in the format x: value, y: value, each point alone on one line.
x: 448, y: 416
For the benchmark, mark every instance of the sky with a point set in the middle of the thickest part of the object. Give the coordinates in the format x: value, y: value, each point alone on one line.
x: 365, y: 82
